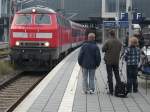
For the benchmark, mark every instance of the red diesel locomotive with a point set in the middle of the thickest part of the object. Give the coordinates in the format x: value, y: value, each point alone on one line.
x: 40, y: 36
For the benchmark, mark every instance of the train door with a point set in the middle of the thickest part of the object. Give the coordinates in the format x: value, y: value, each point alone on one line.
x: 60, y: 32
x: 68, y: 33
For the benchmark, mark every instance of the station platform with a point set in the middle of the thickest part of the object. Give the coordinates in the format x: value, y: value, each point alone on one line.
x: 61, y: 91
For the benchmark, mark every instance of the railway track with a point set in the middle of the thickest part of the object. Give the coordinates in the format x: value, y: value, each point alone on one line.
x: 14, y: 91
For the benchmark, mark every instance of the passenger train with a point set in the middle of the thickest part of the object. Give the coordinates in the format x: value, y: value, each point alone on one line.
x: 40, y: 36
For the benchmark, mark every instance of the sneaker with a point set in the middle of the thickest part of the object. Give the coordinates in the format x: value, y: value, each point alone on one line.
x: 135, y: 91
x: 84, y: 92
x: 129, y: 91
x: 92, y: 92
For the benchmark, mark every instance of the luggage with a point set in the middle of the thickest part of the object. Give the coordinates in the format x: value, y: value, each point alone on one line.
x: 121, y: 90
x: 145, y: 61
x: 146, y: 69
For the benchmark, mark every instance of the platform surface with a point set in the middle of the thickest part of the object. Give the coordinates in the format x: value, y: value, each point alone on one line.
x: 61, y: 91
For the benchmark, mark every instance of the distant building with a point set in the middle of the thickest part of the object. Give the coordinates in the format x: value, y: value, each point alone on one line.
x: 4, y: 19
x: 7, y: 10
x: 83, y: 9
x: 74, y: 9
x: 88, y: 11
x: 142, y: 6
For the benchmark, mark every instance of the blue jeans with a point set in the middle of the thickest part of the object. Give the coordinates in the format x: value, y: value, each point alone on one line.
x: 88, y: 79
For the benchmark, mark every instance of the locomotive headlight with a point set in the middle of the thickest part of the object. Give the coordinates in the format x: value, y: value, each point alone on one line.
x: 33, y: 10
x: 17, y: 43
x: 46, y: 44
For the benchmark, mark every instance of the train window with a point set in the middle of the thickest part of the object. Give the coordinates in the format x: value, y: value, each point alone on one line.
x: 23, y: 19
x: 42, y: 19
x: 67, y: 24
x: 60, y: 21
x: 75, y: 33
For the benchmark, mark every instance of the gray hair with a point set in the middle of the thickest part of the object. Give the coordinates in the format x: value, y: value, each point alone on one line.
x: 91, y: 35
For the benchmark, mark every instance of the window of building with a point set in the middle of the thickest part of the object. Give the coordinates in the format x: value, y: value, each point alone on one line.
x: 110, y: 5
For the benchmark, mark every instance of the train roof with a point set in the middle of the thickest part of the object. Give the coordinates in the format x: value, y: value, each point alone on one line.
x: 74, y: 24
x: 40, y: 10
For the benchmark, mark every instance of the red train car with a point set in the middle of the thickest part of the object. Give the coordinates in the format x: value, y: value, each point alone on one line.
x: 39, y: 36
x: 78, y: 34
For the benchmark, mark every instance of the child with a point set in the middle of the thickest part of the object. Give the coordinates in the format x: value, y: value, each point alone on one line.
x: 132, y: 58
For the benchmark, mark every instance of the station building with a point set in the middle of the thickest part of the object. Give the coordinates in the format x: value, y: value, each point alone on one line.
x: 90, y: 12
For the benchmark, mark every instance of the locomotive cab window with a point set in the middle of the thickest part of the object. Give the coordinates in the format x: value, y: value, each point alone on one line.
x: 42, y: 19
x: 23, y: 19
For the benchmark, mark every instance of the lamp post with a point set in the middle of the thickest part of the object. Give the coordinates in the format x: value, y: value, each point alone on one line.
x: 117, y: 16
x: 129, y: 10
x: 12, y: 9
x: 62, y: 5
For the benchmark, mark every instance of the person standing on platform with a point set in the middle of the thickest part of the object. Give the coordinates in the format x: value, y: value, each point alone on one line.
x: 89, y: 59
x: 140, y: 39
x: 126, y: 40
x: 112, y: 48
x: 132, y: 57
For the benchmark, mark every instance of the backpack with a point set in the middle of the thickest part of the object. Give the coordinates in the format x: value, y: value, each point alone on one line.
x: 121, y: 90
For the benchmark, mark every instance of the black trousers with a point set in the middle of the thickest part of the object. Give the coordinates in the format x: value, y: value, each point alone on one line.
x: 110, y: 69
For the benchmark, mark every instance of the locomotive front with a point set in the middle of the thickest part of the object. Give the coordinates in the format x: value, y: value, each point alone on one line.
x: 33, y: 39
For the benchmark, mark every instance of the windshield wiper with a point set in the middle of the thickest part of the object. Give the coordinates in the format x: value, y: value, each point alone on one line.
x: 27, y: 20
x: 39, y: 19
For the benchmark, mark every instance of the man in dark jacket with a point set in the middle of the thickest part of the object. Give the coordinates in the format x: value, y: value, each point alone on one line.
x: 126, y: 40
x: 112, y: 48
x: 89, y: 59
